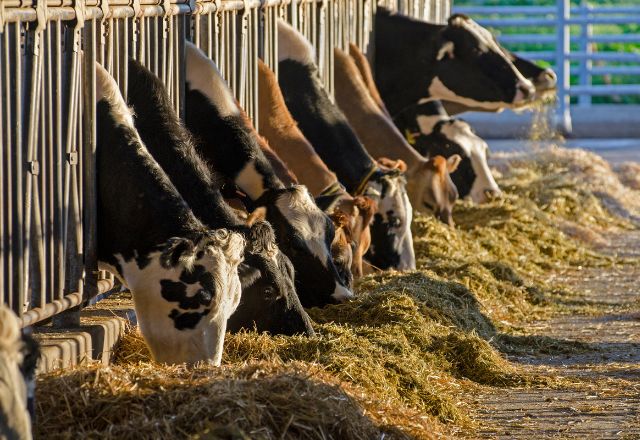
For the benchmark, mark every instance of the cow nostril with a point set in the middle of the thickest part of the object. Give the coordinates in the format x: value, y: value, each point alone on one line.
x: 527, y: 90
x: 548, y: 78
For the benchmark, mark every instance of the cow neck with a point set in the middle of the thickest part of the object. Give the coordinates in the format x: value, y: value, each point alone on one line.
x: 405, y: 55
x: 278, y: 126
x: 134, y: 195
x: 173, y: 148
x: 420, y: 119
x: 230, y: 146
x: 323, y: 124
x: 378, y: 134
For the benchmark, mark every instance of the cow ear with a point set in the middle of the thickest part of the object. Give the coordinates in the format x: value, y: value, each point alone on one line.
x: 446, y: 51
x: 257, y: 215
x: 453, y: 162
x: 177, y: 250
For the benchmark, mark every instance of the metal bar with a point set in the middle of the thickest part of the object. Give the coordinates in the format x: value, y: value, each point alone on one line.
x: 563, y: 67
x: 608, y: 89
x: 584, y: 77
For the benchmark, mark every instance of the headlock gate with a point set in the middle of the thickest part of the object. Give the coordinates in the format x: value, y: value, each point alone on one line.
x: 48, y: 218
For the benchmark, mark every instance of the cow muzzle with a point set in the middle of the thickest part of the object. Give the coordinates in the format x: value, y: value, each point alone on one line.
x: 525, y: 92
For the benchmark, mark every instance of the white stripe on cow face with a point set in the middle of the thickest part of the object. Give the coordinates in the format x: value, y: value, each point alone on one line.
x: 250, y: 180
x: 203, y: 75
x: 476, y: 149
x: 437, y: 90
x: 395, y: 211
x: 292, y: 47
x: 310, y: 222
x: 193, y: 331
x: 407, y: 255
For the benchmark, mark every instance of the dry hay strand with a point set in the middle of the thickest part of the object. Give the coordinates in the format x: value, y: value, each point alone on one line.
x: 629, y: 174
x: 389, y: 342
x: 571, y: 184
x: 243, y: 401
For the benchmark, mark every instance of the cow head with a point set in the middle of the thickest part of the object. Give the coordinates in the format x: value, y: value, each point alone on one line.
x: 269, y: 300
x: 544, y: 80
x: 305, y: 234
x: 473, y: 176
x: 391, y: 239
x: 18, y: 357
x: 438, y: 193
x: 472, y: 68
x: 342, y: 246
x: 354, y: 215
x: 184, y: 293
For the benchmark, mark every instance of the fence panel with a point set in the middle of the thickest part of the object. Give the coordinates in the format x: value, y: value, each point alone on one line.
x: 573, y: 53
x: 48, y: 49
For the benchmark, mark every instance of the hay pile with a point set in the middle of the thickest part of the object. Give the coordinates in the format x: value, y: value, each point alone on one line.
x: 392, y: 362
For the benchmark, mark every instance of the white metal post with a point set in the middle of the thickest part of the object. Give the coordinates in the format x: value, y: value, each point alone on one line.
x: 563, y: 68
x: 586, y: 31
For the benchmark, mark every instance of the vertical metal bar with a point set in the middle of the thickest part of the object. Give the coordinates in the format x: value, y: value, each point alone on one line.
x: 586, y: 31
x: 563, y: 67
x: 4, y: 30
x: 88, y: 153
x: 18, y: 189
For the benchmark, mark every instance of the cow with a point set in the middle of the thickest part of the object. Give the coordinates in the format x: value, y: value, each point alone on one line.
x: 304, y: 233
x: 19, y: 354
x: 425, y: 186
x: 269, y: 299
x: 183, y: 275
x: 459, y: 62
x: 544, y: 80
x: 328, y: 130
x: 432, y: 132
x: 351, y: 215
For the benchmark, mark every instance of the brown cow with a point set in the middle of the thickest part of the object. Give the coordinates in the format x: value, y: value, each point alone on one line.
x: 278, y: 126
x: 381, y: 138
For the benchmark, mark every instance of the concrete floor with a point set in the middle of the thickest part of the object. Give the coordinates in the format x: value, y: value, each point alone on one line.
x: 615, y: 151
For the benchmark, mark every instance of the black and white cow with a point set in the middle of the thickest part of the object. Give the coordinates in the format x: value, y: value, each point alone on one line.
x: 183, y: 276
x: 543, y: 79
x: 19, y: 354
x: 459, y: 62
x: 304, y: 233
x: 328, y: 130
x: 432, y: 132
x: 269, y: 299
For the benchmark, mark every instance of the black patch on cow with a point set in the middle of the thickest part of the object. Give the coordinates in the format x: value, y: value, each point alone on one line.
x: 187, y: 320
x: 323, y: 123
x: 437, y: 144
x: 177, y: 292
x: 383, y: 255
x: 226, y: 142
x: 134, y: 193
x: 405, y: 62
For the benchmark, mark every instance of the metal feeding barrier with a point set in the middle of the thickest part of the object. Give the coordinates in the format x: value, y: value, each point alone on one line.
x: 573, y: 53
x: 48, y: 49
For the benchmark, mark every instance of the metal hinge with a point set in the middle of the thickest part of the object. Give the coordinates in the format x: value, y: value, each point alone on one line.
x: 72, y: 158
x: 34, y: 167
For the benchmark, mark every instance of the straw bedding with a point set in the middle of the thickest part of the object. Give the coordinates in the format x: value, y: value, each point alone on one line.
x: 391, y: 363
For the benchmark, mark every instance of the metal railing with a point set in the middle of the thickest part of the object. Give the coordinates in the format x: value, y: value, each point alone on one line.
x: 48, y: 218
x: 567, y: 60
